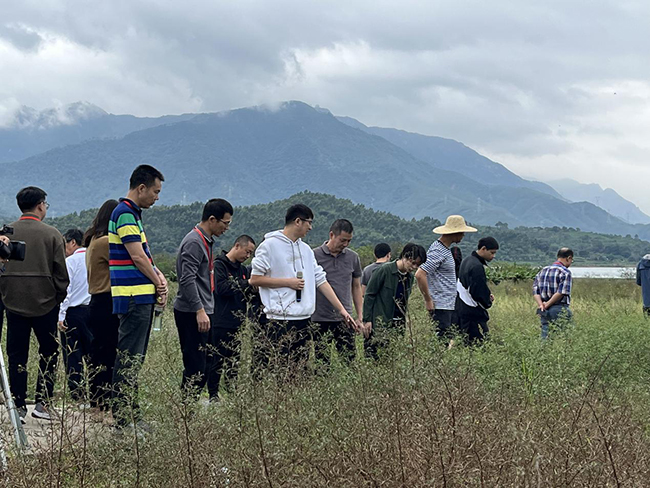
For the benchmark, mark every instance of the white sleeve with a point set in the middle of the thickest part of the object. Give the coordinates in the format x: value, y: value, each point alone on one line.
x: 261, y: 263
x: 320, y: 275
x: 63, y: 308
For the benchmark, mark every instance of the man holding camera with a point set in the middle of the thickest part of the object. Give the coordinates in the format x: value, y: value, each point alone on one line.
x: 31, y: 292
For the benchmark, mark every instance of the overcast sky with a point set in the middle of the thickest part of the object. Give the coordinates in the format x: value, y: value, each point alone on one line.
x: 550, y: 89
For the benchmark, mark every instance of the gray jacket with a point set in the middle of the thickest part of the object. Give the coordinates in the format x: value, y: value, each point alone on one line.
x: 194, y: 269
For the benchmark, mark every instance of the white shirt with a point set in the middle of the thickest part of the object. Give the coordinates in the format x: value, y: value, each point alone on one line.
x: 78, y: 287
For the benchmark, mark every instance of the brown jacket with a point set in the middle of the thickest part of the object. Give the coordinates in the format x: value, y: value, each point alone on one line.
x: 99, y: 274
x: 35, y: 286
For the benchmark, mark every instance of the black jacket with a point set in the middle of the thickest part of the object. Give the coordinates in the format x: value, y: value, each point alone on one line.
x: 231, y: 293
x: 472, y: 277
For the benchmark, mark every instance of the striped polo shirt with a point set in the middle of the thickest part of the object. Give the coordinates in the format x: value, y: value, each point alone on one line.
x: 126, y: 279
x: 441, y: 276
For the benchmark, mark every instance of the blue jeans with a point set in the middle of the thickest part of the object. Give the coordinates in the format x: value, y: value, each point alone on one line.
x: 558, y: 315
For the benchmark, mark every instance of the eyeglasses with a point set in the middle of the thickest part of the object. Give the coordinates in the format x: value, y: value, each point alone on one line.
x: 227, y: 222
x: 47, y: 205
x: 309, y: 221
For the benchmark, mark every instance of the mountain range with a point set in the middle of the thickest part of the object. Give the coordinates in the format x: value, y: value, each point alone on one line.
x: 607, y: 199
x: 257, y: 155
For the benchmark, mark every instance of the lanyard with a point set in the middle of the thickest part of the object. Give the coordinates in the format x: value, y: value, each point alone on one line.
x: 28, y: 217
x: 128, y: 204
x: 208, y: 249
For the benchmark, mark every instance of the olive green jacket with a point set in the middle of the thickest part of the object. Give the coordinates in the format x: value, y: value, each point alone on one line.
x: 379, y: 301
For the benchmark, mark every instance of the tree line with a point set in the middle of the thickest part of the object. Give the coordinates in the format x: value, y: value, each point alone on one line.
x: 166, y: 226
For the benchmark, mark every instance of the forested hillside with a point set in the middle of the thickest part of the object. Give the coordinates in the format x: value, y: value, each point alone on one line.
x: 166, y: 226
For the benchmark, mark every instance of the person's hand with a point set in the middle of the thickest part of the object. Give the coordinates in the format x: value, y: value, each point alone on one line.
x: 162, y: 300
x: 358, y: 326
x: 367, y: 329
x: 161, y: 287
x: 5, y: 240
x: 62, y: 327
x: 347, y: 318
x: 203, y: 321
x: 295, y: 283
x: 430, y: 306
x: 491, y: 297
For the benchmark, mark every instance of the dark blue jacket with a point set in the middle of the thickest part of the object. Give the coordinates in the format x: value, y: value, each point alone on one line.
x: 643, y: 279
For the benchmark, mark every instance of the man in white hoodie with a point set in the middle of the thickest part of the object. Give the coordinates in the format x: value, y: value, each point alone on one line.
x: 287, y: 274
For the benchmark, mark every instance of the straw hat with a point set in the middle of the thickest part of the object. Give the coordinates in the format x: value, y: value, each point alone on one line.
x: 454, y: 224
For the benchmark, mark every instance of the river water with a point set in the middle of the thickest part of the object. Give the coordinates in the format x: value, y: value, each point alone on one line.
x: 594, y: 272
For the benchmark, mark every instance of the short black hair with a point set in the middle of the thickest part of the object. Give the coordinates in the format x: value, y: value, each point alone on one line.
x: 298, y: 211
x: 564, y: 253
x: 244, y: 240
x: 414, y: 252
x: 488, y: 243
x: 73, y: 235
x: 144, y: 175
x: 341, y: 225
x: 217, y: 207
x: 381, y: 250
x: 29, y: 197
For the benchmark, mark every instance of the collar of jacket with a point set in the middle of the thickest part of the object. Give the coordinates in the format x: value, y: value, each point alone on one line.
x: 206, y: 236
x: 224, y: 257
x: 483, y: 261
x: 32, y: 216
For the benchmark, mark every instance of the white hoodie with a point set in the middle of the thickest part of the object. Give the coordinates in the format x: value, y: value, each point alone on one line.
x: 280, y: 257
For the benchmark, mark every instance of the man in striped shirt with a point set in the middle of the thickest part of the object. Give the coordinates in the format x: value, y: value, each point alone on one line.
x: 436, y: 278
x: 136, y: 285
x: 552, y: 292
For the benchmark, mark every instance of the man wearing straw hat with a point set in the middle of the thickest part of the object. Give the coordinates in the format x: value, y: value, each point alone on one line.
x: 436, y: 278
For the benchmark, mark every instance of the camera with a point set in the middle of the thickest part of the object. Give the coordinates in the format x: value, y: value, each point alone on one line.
x: 15, y: 250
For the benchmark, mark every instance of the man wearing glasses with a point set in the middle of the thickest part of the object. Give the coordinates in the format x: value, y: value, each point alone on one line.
x: 32, y: 291
x: 287, y: 274
x: 194, y: 304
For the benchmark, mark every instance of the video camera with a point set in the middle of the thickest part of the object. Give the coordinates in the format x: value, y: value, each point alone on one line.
x: 15, y: 250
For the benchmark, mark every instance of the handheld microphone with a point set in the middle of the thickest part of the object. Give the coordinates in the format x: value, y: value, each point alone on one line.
x: 299, y: 292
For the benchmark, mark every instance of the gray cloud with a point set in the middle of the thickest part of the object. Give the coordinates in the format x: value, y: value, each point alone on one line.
x: 545, y: 88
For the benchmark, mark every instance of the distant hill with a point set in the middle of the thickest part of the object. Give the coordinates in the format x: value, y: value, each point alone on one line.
x: 606, y: 199
x: 33, y: 132
x: 166, y: 227
x: 452, y: 156
x: 258, y: 155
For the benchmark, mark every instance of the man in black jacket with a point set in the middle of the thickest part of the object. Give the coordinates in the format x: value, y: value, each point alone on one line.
x: 474, y: 297
x: 232, y: 294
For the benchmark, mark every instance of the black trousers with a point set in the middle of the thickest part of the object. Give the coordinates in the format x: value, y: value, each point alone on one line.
x: 2, y: 316
x: 104, y: 328
x: 75, y: 344
x: 444, y: 321
x: 343, y: 337
x: 381, y: 336
x: 132, y: 341
x: 19, y: 329
x: 194, y: 346
x: 474, y: 329
x: 223, y: 358
x: 281, y: 343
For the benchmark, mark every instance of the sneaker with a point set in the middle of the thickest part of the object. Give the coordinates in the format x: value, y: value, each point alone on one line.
x: 41, y: 412
x: 22, y: 413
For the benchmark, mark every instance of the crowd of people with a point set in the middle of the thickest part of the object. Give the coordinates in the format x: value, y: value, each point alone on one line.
x: 94, y: 295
